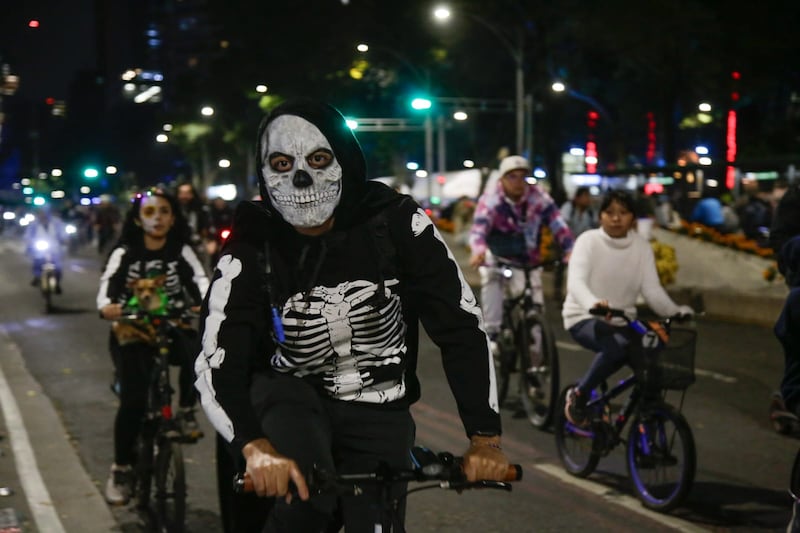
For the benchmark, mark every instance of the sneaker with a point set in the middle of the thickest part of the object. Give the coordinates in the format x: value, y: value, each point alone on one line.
x: 189, y: 426
x: 118, y: 486
x: 575, y: 408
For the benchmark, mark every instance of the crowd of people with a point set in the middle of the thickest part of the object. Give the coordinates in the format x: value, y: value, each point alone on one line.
x: 309, y: 315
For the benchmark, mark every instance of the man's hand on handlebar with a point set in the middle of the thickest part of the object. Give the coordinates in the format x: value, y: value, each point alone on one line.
x: 485, y: 460
x: 271, y: 472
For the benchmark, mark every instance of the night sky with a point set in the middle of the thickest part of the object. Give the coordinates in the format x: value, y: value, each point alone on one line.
x: 46, y: 58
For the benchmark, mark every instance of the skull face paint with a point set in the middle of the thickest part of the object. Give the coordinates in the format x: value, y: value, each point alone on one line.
x: 303, y: 177
x: 155, y: 215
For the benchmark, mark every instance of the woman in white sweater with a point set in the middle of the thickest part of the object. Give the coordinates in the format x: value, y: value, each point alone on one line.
x: 609, y: 267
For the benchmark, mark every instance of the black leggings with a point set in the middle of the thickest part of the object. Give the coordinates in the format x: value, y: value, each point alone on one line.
x: 349, y: 437
x: 135, y: 367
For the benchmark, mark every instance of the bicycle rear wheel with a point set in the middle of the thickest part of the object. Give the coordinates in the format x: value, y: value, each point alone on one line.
x: 661, y: 457
x: 503, y: 368
x: 170, y: 487
x: 538, y: 379
x: 575, y: 445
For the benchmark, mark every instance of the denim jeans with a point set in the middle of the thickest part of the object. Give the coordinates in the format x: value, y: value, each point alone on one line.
x: 610, y: 344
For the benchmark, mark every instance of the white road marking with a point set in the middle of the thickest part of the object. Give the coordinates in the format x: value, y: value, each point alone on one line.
x: 630, y: 503
x: 44, y: 512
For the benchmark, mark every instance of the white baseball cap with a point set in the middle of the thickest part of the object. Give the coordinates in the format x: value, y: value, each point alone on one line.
x: 513, y: 162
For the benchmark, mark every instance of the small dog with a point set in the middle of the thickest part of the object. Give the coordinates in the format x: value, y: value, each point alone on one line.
x: 147, y: 293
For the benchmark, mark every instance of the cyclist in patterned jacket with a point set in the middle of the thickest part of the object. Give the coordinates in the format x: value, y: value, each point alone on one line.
x: 508, y: 226
x: 310, y: 328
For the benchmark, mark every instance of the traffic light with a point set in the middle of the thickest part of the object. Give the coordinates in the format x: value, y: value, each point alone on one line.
x: 90, y: 173
x: 421, y: 103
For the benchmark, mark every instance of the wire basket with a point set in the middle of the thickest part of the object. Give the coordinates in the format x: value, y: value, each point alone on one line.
x: 671, y: 367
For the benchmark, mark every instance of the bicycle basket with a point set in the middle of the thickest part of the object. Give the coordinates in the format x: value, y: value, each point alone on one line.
x: 671, y: 367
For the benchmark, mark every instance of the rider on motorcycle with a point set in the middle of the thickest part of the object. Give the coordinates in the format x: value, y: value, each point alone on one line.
x: 43, y: 239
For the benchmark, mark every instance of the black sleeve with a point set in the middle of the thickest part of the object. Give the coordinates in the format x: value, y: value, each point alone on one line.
x: 450, y: 315
x: 786, y: 222
x: 232, y: 325
x: 112, y: 281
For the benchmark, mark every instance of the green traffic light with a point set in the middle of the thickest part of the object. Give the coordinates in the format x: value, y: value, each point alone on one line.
x: 421, y: 103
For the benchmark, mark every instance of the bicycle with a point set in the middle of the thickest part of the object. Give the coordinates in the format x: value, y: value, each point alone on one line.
x: 659, y: 440
x: 159, y: 469
x: 443, y: 468
x: 537, y: 363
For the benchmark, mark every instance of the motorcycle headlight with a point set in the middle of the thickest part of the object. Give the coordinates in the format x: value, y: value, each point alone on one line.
x: 508, y: 273
x: 41, y: 245
x: 70, y: 229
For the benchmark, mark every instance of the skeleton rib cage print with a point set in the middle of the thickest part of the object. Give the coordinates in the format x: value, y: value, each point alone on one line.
x: 349, y: 337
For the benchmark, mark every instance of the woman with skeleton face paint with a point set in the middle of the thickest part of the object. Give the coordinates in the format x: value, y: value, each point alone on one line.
x: 315, y: 304
x: 154, y: 243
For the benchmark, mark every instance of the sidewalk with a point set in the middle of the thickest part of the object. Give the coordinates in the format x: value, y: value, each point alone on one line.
x: 729, y: 282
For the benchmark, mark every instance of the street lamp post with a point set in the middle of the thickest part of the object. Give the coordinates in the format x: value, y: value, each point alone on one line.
x: 517, y: 54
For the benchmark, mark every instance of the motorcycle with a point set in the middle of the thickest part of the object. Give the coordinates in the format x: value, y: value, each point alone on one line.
x: 48, y: 279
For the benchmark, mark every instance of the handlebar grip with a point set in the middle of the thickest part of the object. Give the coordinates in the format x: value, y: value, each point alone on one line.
x: 605, y: 311
x: 242, y: 483
x: 514, y: 473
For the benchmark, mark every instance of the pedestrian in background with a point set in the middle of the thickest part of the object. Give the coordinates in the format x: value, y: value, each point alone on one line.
x: 196, y: 214
x: 579, y: 216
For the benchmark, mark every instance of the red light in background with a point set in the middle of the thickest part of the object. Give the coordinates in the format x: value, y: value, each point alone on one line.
x: 224, y: 234
x: 440, y: 179
x: 590, y: 157
x: 653, y: 188
x: 49, y: 100
x: 33, y: 23
x: 735, y: 75
x: 650, y: 156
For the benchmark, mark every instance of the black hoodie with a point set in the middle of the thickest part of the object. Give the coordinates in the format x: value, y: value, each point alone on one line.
x: 349, y: 302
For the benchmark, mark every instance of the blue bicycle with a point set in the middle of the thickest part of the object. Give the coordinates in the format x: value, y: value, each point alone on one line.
x: 660, y: 450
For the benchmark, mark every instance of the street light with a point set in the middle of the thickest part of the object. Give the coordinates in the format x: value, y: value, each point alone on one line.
x: 442, y: 14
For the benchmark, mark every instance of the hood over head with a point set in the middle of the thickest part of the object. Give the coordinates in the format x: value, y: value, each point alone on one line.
x: 291, y: 178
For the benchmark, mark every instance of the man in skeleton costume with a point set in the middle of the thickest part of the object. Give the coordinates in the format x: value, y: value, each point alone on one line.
x: 310, y: 327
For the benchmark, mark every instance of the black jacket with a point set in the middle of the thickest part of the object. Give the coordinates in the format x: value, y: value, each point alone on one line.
x: 349, y: 303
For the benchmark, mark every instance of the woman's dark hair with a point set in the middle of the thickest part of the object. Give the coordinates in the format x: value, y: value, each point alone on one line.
x: 132, y: 234
x: 621, y: 197
x: 196, y: 202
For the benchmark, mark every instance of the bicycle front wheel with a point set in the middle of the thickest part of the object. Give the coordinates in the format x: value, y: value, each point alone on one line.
x: 661, y: 457
x: 538, y: 372
x: 144, y: 468
x: 575, y: 445
x: 170, y: 487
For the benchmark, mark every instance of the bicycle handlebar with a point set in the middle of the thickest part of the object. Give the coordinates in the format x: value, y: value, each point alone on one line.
x: 446, y: 469
x: 620, y: 313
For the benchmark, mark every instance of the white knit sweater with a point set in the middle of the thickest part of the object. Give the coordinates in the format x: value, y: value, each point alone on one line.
x: 616, y: 270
